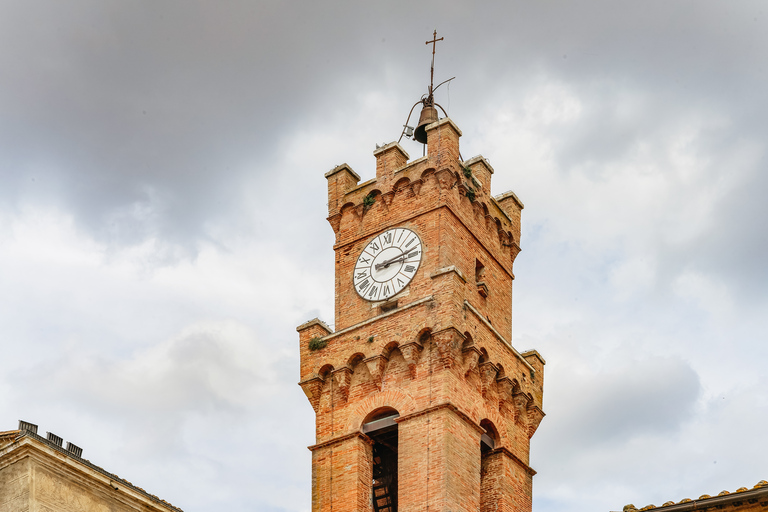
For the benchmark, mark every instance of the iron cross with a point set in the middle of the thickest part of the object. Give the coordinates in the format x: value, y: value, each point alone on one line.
x: 434, y: 42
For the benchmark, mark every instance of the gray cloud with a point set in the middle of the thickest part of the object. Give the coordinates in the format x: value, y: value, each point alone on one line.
x: 161, y: 182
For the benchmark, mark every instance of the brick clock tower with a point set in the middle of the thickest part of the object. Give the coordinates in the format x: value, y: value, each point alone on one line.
x: 421, y: 401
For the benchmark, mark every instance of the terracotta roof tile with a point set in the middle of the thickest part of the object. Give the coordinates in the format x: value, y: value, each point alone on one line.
x: 702, y: 498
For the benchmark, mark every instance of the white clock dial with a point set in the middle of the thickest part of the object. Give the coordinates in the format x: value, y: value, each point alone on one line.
x: 387, y: 264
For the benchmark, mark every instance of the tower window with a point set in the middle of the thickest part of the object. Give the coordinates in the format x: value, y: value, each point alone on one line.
x: 490, y: 470
x: 482, y: 288
x: 479, y: 271
x: 382, y: 429
x: 388, y: 306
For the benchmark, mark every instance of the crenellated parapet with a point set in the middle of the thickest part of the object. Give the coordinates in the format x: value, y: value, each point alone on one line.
x: 403, y: 190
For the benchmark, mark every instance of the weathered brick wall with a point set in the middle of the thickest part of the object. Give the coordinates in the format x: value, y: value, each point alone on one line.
x: 442, y: 357
x: 341, y: 471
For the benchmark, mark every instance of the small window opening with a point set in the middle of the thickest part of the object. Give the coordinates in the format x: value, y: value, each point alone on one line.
x: 482, y: 288
x: 479, y: 271
x: 488, y: 437
x: 388, y: 306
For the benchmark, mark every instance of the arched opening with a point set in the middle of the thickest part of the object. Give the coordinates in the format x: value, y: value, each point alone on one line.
x: 380, y: 426
x: 489, y: 439
x: 490, y: 469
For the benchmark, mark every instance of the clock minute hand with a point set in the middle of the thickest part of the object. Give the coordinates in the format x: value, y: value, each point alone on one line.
x: 387, y: 263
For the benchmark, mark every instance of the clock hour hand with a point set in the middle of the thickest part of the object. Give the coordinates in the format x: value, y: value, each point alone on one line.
x: 387, y: 263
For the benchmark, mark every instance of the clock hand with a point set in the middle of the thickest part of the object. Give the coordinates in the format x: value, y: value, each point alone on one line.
x: 387, y: 263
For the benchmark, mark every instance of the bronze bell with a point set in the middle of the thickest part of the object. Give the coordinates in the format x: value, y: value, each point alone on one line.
x: 428, y: 116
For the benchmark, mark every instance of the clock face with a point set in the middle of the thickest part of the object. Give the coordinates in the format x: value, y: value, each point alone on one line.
x: 387, y: 264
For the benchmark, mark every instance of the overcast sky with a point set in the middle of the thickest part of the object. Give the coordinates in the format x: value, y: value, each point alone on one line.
x: 163, y: 232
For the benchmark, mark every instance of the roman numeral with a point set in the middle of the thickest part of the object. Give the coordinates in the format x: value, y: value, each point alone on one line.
x: 387, y: 238
x: 374, y: 246
x: 386, y: 290
x: 410, y: 241
x: 401, y: 283
x: 364, y: 260
x: 410, y: 268
x: 361, y: 275
x: 414, y: 253
x: 364, y: 285
x: 373, y: 291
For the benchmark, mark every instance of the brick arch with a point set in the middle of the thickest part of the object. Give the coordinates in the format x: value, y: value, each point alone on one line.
x: 430, y: 171
x: 480, y: 411
x: 396, y: 399
x: 325, y: 370
x: 401, y: 183
x: 354, y: 359
x: 389, y: 348
x: 423, y: 333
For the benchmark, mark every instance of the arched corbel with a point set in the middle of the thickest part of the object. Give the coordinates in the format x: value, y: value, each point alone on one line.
x: 535, y: 415
x: 411, y: 352
x: 507, y: 388
x: 488, y: 373
x: 416, y: 186
x: 471, y: 357
x: 520, y: 401
x: 342, y: 378
x: 376, y: 365
x: 446, y: 179
x: 514, y: 250
x: 335, y: 222
x: 387, y: 199
x: 313, y: 388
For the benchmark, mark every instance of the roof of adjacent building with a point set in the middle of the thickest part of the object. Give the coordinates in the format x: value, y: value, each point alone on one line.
x: 742, y: 496
x: 10, y: 437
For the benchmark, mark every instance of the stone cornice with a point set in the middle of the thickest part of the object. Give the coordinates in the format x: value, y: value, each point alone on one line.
x: 498, y: 335
x: 535, y: 353
x: 511, y: 194
x: 448, y: 270
x: 379, y: 317
x: 394, y: 145
x: 314, y: 321
x: 342, y: 167
x: 475, y: 159
x: 446, y: 405
x: 438, y: 124
x: 48, y: 454
x: 515, y: 458
x: 340, y: 439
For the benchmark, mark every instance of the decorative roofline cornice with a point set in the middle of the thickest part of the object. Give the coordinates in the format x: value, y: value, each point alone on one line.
x: 26, y: 436
x: 499, y: 336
